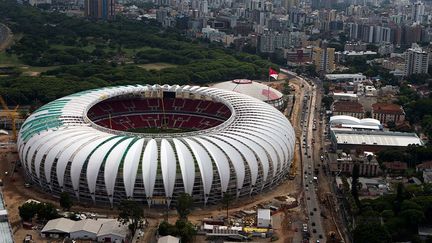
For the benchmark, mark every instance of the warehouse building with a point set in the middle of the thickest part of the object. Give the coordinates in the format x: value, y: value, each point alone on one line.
x: 372, y: 141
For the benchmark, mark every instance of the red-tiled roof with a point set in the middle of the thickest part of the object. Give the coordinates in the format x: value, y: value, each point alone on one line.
x: 425, y: 165
x: 396, y: 165
x: 387, y: 108
x: 347, y: 106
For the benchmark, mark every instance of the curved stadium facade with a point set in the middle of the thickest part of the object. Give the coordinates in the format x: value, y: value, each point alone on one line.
x: 152, y: 143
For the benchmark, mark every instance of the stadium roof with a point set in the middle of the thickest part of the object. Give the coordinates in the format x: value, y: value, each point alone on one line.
x: 378, y: 138
x: 60, y: 134
x: 244, y: 86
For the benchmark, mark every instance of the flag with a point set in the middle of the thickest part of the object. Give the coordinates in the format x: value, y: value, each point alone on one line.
x: 273, y: 73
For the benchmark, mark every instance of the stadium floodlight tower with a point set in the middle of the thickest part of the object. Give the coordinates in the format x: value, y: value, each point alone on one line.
x: 152, y: 143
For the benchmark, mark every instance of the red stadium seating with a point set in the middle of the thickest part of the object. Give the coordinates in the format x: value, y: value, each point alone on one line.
x: 132, y: 113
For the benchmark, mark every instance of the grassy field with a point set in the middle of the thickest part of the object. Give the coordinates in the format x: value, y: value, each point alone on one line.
x: 9, y: 60
x: 159, y: 130
x: 156, y: 66
x: 13, y: 61
x: 88, y: 48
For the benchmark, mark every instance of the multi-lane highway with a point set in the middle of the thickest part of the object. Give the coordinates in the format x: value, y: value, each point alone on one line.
x: 315, y: 228
x: 314, y: 232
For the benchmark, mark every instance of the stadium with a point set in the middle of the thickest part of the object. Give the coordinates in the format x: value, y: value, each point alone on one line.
x: 152, y: 143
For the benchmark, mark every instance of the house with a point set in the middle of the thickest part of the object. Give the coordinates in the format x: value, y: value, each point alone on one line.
x: 263, y: 218
x: 385, y: 112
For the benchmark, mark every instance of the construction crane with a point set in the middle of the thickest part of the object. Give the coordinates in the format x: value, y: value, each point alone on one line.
x: 13, y: 116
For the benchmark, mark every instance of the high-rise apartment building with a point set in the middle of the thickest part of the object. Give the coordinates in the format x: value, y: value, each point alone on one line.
x: 323, y: 59
x: 418, y: 10
x: 99, y: 9
x: 289, y: 4
x: 416, y: 61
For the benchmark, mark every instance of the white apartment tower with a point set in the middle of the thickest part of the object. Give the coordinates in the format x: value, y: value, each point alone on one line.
x: 416, y: 61
x: 418, y: 10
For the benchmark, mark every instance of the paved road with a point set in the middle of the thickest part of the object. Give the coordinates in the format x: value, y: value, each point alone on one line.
x: 309, y: 154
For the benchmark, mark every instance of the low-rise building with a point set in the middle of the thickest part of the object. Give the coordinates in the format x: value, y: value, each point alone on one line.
x: 372, y: 141
x: 348, y: 108
x: 356, y: 77
x: 395, y: 167
x: 386, y: 112
x: 343, y: 163
x: 344, y: 96
x: 355, y: 46
x: 102, y: 230
x: 263, y: 218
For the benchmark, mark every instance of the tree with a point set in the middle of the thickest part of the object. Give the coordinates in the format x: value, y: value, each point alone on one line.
x: 186, y: 230
x: 47, y: 211
x: 184, y: 204
x: 370, y: 233
x: 400, y: 196
x: 65, y: 201
x: 355, y: 184
x: 131, y: 213
x: 327, y: 101
x: 368, y: 114
x: 28, y: 210
x: 227, y: 199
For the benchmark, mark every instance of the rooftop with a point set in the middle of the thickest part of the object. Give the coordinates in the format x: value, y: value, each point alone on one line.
x: 378, y: 138
x: 263, y: 213
x: 387, y: 108
x: 99, y: 227
x: 345, y: 76
x: 343, y: 94
x: 257, y: 90
x: 168, y: 239
x: 396, y: 165
x: 426, y: 165
x: 347, y: 106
